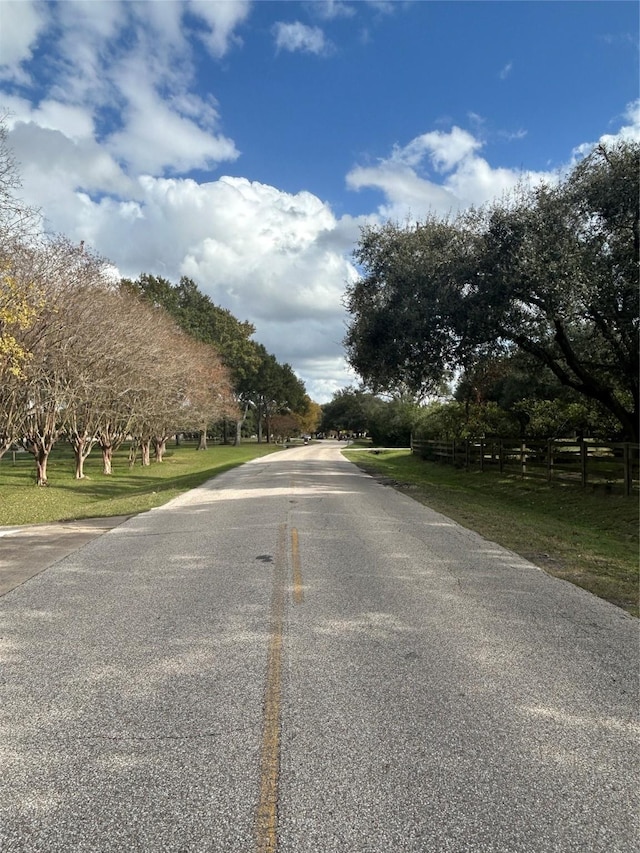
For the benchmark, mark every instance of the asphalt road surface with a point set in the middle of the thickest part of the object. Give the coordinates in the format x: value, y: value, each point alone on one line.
x: 296, y: 658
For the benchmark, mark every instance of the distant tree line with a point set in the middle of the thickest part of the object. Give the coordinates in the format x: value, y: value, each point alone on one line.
x: 95, y: 360
x: 527, y: 307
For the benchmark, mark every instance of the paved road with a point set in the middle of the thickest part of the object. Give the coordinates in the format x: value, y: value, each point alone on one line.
x: 294, y: 657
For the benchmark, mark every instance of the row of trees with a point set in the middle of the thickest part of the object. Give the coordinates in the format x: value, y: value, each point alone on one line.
x: 267, y: 393
x: 90, y: 362
x: 96, y: 360
x: 542, y: 285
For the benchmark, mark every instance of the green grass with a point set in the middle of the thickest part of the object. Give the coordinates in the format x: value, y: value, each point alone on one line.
x: 587, y: 538
x: 125, y: 492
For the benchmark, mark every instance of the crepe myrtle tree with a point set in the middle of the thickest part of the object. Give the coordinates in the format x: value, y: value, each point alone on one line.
x: 182, y: 384
x: 110, y: 381
x: 60, y: 343
x: 20, y: 298
x: 210, y: 395
x: 195, y: 313
x: 199, y: 395
x: 92, y: 363
x: 551, y: 271
x: 161, y: 385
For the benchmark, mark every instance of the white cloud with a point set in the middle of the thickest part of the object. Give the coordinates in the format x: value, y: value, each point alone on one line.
x: 629, y: 131
x: 445, y: 150
x: 87, y: 35
x: 278, y: 259
x: 157, y: 137
x: 328, y: 10
x: 73, y: 122
x: 506, y: 71
x: 463, y: 177
x: 406, y: 194
x: 20, y: 25
x: 223, y: 19
x: 299, y: 37
x: 133, y: 60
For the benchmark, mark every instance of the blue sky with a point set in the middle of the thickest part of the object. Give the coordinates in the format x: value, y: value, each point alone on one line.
x: 245, y: 144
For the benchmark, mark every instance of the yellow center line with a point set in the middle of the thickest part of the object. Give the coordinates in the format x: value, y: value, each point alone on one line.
x: 298, y: 593
x: 267, y: 814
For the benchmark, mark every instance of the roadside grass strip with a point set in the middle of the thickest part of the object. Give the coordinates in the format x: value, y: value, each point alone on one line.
x: 589, y: 538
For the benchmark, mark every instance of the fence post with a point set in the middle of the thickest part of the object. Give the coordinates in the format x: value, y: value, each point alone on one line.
x: 583, y: 461
x: 628, y: 473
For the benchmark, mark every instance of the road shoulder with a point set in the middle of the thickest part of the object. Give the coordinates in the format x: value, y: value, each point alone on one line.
x: 30, y: 549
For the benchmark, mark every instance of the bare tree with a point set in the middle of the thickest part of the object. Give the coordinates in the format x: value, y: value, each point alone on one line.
x: 210, y: 396
x: 61, y: 348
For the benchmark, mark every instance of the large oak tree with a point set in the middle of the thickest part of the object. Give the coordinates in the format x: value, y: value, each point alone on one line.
x: 551, y: 271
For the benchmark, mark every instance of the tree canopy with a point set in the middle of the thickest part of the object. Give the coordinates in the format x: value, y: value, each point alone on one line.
x: 551, y: 271
x: 259, y: 381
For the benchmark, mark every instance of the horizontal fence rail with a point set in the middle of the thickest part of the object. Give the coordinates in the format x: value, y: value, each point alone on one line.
x: 612, y: 466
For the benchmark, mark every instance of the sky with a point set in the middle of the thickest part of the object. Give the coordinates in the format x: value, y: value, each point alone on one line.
x: 246, y: 144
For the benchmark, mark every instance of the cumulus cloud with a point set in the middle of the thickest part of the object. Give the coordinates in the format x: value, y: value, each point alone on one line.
x: 299, y: 37
x: 436, y: 173
x: 106, y: 142
x: 278, y: 259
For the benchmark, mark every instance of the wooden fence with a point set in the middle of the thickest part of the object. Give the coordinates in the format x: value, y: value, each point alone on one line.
x: 611, y: 466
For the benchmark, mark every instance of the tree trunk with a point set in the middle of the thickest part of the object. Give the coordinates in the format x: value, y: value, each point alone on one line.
x: 39, y: 448
x: 79, y: 464
x: 107, y: 457
x: 159, y: 446
x: 239, y: 424
x: 81, y: 449
x: 42, y: 457
x: 202, y: 443
x: 145, y: 452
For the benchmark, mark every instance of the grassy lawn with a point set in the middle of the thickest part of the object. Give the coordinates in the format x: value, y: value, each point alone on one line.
x: 587, y: 538
x: 125, y: 492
